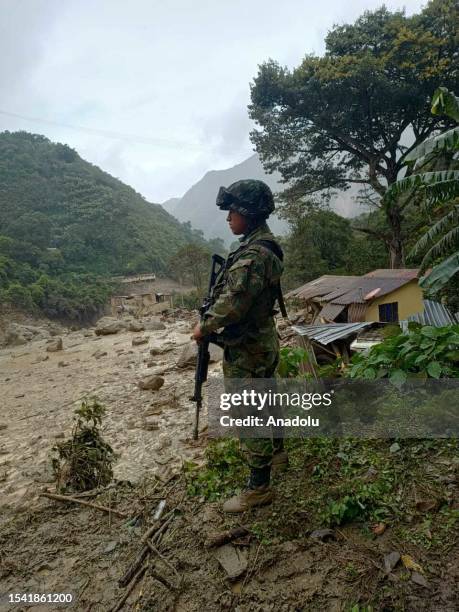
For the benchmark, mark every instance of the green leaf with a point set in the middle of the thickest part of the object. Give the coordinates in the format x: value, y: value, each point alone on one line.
x: 398, y: 377
x: 369, y: 373
x: 445, y: 102
x: 441, y: 185
x: 434, y: 369
x: 448, y: 141
x: 429, y: 331
x: 441, y: 274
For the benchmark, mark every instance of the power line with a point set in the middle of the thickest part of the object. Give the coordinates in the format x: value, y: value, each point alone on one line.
x: 163, y: 142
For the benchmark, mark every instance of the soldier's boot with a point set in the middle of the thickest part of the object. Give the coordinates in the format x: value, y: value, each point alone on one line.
x: 280, y: 461
x: 257, y: 492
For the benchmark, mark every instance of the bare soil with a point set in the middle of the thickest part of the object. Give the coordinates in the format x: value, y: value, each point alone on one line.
x: 47, y: 546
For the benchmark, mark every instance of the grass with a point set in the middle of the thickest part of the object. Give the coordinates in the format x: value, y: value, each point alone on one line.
x: 334, y: 482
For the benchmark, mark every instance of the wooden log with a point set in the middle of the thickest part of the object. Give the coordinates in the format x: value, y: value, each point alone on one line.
x: 226, y: 536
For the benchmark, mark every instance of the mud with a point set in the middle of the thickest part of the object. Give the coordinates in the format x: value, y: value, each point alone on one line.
x: 40, y: 390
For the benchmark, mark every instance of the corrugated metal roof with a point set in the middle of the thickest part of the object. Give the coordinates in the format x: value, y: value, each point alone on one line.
x: 323, y: 285
x: 329, y: 332
x: 435, y: 314
x: 331, y: 311
x: 364, y: 285
x: 353, y: 289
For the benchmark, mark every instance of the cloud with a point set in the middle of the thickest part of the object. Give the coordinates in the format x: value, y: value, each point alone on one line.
x: 174, y: 74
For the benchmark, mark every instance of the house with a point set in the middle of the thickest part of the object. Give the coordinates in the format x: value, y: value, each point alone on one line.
x: 383, y: 295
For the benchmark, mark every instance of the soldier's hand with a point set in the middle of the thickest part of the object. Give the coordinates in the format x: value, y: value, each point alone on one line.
x: 197, y: 333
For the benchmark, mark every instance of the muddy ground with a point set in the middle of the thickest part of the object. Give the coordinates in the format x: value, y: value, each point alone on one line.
x: 47, y: 546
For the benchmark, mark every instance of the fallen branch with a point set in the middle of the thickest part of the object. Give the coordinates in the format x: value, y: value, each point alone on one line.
x: 135, y: 580
x: 226, y: 536
x: 163, y: 558
x: 162, y: 580
x: 145, y: 550
x: 74, y: 500
x: 131, y: 571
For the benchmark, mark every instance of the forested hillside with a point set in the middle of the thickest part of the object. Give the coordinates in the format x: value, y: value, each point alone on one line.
x: 63, y: 221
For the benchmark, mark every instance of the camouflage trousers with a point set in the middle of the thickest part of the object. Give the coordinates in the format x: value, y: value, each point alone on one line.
x: 241, y: 364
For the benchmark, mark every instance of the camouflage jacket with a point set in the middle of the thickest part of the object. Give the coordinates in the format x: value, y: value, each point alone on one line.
x: 245, y: 293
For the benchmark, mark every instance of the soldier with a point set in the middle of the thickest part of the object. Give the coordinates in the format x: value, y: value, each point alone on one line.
x: 244, y: 296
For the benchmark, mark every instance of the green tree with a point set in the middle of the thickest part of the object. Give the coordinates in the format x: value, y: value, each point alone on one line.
x: 322, y: 242
x: 354, y: 115
x: 435, y: 178
x: 191, y: 263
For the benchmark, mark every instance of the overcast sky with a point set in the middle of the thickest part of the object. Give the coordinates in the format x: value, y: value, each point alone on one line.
x: 167, y: 80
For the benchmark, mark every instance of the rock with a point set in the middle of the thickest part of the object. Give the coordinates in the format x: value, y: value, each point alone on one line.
x: 419, y: 579
x: 150, y: 423
x: 108, y: 325
x: 3, y: 426
x: 99, y: 353
x: 323, y: 534
x: 62, y: 364
x: 110, y: 547
x: 233, y: 561
x: 154, y: 325
x: 87, y: 334
x: 189, y: 354
x: 390, y: 561
x: 395, y: 447
x: 159, y: 371
x: 149, y: 362
x: 138, y: 340
x: 136, y: 326
x: 55, y: 345
x: 151, y: 381
x: 17, y: 335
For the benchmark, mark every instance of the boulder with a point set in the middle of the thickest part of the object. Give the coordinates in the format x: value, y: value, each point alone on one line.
x: 189, y: 355
x: 55, y: 345
x: 109, y: 325
x: 154, y: 325
x: 140, y: 340
x: 151, y: 381
x: 136, y: 326
x: 108, y: 328
x: 17, y: 335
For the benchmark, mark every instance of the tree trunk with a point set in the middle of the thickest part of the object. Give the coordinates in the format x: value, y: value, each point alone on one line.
x: 396, y: 254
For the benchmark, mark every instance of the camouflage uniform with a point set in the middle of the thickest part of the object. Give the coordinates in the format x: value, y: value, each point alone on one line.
x: 244, y: 297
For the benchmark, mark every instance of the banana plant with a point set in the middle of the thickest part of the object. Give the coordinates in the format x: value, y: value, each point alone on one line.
x: 440, y: 188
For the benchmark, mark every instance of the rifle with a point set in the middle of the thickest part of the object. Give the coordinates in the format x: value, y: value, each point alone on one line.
x: 202, y: 364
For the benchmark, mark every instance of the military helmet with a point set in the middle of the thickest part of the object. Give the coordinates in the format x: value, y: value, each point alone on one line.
x: 249, y: 197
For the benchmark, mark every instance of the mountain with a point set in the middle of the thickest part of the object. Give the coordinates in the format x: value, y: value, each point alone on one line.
x: 51, y: 198
x: 198, y: 203
x: 65, y: 224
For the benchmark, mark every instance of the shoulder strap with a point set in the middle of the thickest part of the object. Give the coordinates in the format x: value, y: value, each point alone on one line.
x: 272, y: 246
